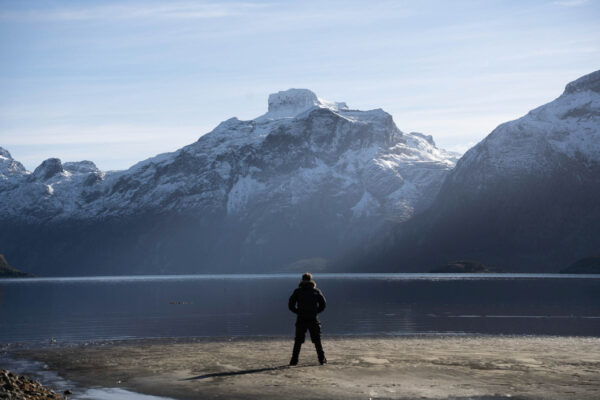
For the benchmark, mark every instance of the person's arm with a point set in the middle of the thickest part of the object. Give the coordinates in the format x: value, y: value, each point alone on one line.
x: 292, y: 303
x: 322, y: 302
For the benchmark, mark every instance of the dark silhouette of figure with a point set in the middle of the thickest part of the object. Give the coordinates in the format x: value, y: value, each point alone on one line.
x: 307, y: 301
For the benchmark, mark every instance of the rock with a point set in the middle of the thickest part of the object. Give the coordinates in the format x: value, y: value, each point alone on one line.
x: 48, y: 169
x: 7, y: 271
x: 21, y: 387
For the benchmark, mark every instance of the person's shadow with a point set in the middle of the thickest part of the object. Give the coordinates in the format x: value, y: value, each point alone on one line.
x: 243, y: 372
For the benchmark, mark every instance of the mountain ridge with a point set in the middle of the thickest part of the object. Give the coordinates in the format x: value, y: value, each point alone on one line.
x: 306, y: 171
x: 524, y: 198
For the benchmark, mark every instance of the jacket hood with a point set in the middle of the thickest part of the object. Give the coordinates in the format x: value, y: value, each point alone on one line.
x: 307, y: 284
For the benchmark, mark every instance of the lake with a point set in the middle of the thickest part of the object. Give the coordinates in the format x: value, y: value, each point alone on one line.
x: 83, y: 309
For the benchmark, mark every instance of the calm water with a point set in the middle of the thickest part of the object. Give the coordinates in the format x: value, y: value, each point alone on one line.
x: 80, y: 309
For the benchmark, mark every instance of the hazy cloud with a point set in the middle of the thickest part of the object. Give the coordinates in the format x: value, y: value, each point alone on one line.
x: 570, y: 3
x: 142, y: 11
x: 114, y: 133
x: 119, y: 80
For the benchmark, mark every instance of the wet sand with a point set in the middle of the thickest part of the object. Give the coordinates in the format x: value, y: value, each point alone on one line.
x: 486, y: 367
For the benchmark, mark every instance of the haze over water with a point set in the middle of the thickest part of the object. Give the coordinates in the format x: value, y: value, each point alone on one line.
x: 82, y: 309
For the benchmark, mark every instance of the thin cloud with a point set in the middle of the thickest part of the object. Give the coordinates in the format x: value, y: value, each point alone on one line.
x: 115, y: 133
x: 136, y: 11
x: 570, y: 3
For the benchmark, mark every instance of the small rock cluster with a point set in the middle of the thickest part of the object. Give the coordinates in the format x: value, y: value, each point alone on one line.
x: 16, y: 387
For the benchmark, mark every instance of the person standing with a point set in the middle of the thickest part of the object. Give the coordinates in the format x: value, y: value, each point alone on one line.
x: 307, y: 301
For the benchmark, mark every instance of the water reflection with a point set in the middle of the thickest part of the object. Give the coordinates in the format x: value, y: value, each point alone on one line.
x: 107, y: 308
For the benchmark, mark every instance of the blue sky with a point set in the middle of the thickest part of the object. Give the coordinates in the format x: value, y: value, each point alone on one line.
x: 117, y: 82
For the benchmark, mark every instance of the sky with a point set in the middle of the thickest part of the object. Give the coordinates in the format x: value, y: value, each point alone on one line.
x: 117, y: 82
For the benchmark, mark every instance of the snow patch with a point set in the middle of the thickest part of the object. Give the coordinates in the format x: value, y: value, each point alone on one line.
x: 241, y: 193
x: 8, y: 166
x: 80, y: 167
x: 366, y: 206
x: 405, y: 201
x: 293, y: 102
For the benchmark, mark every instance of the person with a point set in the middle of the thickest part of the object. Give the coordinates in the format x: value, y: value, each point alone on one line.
x: 307, y: 301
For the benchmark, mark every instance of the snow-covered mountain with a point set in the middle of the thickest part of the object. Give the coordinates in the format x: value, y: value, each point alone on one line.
x: 306, y: 180
x: 564, y: 130
x: 526, y: 198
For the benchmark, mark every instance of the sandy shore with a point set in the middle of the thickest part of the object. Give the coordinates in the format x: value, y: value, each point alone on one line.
x: 359, y: 368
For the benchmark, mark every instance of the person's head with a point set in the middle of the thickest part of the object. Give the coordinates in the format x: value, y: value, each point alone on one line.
x: 307, y: 281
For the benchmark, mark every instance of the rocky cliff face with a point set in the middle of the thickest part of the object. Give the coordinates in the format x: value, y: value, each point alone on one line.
x: 8, y: 271
x: 526, y: 198
x: 307, y: 179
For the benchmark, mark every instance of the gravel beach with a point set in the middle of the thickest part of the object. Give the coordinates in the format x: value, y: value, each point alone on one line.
x: 454, y: 367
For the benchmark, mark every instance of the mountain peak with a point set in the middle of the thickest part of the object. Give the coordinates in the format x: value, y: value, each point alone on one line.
x: 48, y: 168
x: 428, y: 138
x: 8, y: 165
x: 80, y: 167
x: 307, y: 165
x: 589, y: 82
x: 292, y: 102
x: 5, y: 154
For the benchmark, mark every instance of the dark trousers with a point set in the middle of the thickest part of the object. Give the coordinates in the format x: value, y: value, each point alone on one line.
x: 312, y: 325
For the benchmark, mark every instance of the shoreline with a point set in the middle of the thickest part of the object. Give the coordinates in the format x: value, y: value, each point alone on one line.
x: 54, y: 344
x: 294, y: 276
x: 399, y: 367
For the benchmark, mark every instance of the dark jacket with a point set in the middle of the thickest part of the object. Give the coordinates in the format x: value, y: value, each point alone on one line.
x: 307, y: 301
